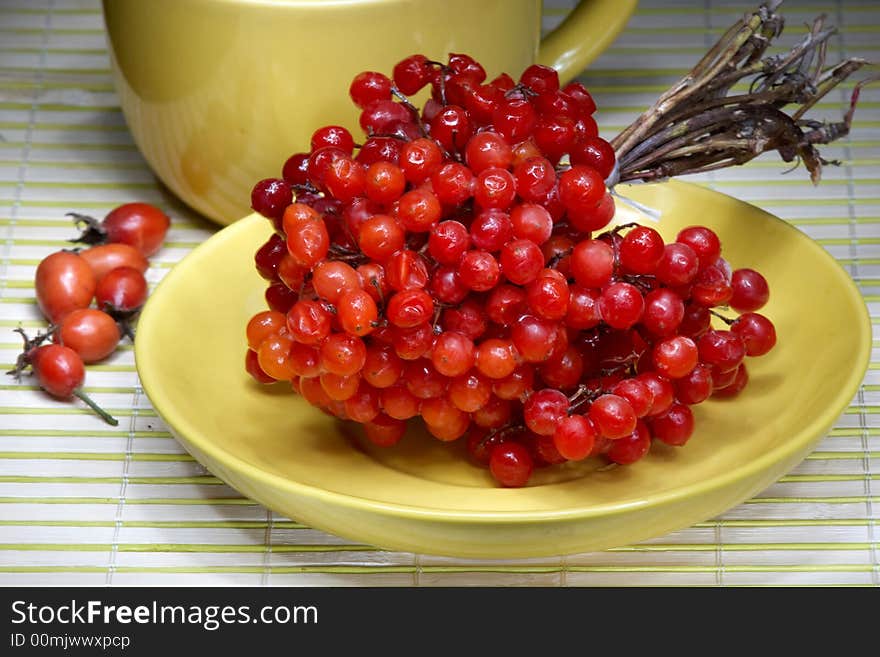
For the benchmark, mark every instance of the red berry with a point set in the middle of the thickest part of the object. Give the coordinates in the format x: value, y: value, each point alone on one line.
x: 446, y: 285
x: 511, y: 464
x: 384, y: 182
x: 385, y: 117
x: 382, y: 367
x: 494, y: 188
x: 493, y: 414
x: 613, y: 416
x: 540, y: 79
x: 594, y: 152
x: 695, y: 321
x: 631, y: 448
x: 442, y: 419
x: 122, y: 289
x: 531, y: 221
x: 574, y: 437
x: 696, y: 386
x: 554, y: 136
x: 757, y: 333
x: 678, y: 266
x: 661, y: 389
x: 471, y: 392
x: 621, y: 305
x: 578, y: 92
x: 385, y: 431
x: 363, y: 406
x: 592, y: 263
x: 308, y: 242
x: 143, y: 226
x: 279, y: 297
x: 333, y: 135
x: 252, y: 366
x: 486, y: 150
x: 533, y: 338
x: 505, y: 303
x: 514, y: 119
x: 411, y: 74
x: 675, y: 357
x: 711, y: 287
x: 343, y: 354
x: 380, y: 236
x: 703, y: 241
x: 581, y: 188
x: 479, y: 271
x: 418, y: 210
x: 588, y: 219
x: 453, y: 354
x: 468, y: 318
x: 739, y: 381
x: 583, y: 308
x: 356, y: 312
x: 448, y: 241
x: 515, y: 385
x: 637, y: 393
x: 544, y: 410
x: 295, y: 169
x: 409, y: 308
x: 535, y: 177
x: 309, y: 322
x: 491, y: 229
x: 369, y: 87
x: 377, y: 149
x: 466, y: 66
x: 423, y: 380
x: 556, y: 104
x: 270, y: 197
x: 273, y: 357
x: 674, y: 427
x: 548, y: 295
x: 750, y: 291
x: 521, y: 261
x: 641, y: 250
x: 452, y: 128
x: 405, y: 270
x: 724, y: 350
x: 399, y: 403
x: 664, y: 312
x: 453, y: 183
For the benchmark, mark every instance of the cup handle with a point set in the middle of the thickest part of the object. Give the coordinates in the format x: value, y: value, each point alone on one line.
x: 576, y: 42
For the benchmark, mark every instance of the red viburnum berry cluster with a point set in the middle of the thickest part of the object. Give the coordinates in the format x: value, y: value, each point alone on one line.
x: 453, y: 270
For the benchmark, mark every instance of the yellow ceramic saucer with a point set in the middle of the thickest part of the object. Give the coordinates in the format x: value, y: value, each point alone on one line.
x: 424, y: 496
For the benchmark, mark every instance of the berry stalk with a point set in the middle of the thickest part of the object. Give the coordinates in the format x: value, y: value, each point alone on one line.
x: 705, y: 122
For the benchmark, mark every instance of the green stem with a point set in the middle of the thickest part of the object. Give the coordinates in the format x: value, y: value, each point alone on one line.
x: 109, y: 419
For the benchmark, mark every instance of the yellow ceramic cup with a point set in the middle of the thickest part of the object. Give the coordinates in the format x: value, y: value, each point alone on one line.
x: 218, y: 93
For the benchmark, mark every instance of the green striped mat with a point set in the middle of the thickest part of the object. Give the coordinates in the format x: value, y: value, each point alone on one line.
x: 82, y: 503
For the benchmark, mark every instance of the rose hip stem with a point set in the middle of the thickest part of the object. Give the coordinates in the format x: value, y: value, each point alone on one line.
x: 25, y: 359
x: 109, y: 419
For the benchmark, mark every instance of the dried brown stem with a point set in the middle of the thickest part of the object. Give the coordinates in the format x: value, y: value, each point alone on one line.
x: 698, y: 125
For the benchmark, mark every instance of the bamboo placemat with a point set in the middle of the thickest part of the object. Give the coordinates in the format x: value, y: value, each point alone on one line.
x: 81, y: 503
